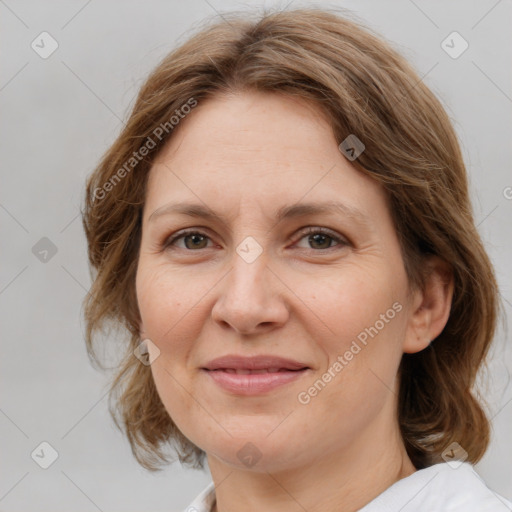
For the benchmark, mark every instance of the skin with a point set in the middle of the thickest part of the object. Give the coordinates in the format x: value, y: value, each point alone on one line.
x: 245, y: 155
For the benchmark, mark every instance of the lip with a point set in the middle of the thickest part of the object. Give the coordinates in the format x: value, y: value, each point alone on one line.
x: 260, y: 362
x: 253, y: 375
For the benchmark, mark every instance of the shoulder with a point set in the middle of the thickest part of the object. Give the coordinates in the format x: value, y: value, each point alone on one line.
x: 440, y: 488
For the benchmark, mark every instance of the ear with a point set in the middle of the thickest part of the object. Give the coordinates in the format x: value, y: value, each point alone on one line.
x: 142, y: 330
x: 431, y: 306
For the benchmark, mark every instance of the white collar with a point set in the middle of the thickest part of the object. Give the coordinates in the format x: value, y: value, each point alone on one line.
x: 438, y: 488
x: 204, y: 502
x: 444, y: 487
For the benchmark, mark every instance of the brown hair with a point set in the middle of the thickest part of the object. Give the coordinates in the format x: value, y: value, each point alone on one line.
x: 367, y: 89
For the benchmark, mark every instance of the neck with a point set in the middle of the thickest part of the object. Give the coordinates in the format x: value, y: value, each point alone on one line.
x: 343, y: 480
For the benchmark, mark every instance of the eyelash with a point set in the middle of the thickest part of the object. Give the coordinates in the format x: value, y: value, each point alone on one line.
x: 307, y: 231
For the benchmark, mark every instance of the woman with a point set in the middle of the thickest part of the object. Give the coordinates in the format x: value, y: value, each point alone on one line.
x: 284, y: 228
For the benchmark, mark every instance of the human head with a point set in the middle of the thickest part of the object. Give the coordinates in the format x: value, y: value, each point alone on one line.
x: 362, y: 87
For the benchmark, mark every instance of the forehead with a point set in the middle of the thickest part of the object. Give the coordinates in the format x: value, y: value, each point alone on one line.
x: 248, y: 125
x: 256, y: 149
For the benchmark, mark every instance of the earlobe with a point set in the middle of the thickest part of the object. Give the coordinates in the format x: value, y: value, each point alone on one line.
x: 431, y: 308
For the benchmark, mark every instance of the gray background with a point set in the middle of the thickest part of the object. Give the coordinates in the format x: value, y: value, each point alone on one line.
x: 58, y: 117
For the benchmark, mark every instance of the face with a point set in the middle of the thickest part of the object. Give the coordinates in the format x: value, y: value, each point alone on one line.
x: 297, y: 260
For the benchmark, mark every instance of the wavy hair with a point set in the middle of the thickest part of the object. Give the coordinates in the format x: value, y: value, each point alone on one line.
x: 366, y: 88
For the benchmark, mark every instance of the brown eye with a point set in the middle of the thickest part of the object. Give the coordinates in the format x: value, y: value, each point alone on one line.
x: 320, y: 239
x: 196, y: 240
x: 192, y: 240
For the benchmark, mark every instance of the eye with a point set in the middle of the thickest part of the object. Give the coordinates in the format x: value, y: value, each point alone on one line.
x: 321, y: 238
x: 192, y: 240
x: 316, y: 237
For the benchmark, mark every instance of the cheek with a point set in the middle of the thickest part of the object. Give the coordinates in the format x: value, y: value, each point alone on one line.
x: 170, y: 305
x: 352, y: 302
x: 362, y: 350
x: 361, y: 313
x: 173, y: 312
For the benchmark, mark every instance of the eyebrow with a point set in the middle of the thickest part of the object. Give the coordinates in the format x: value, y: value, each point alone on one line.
x: 285, y: 212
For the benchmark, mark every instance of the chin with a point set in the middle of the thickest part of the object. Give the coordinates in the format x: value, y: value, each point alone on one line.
x: 255, y: 450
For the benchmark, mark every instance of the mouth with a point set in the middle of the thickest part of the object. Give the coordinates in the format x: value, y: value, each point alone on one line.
x: 265, y: 362
x: 253, y: 375
x: 253, y: 382
x: 245, y: 371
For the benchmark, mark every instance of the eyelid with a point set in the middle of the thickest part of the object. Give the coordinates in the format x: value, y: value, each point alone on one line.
x: 307, y: 230
x: 168, y: 241
x: 296, y: 237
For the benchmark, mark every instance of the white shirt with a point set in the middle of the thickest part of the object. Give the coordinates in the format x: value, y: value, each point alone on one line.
x: 439, y: 488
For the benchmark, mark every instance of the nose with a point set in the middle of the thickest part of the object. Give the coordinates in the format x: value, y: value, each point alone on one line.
x: 251, y: 298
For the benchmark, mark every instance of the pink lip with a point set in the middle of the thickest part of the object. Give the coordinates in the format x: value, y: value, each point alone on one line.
x: 260, y: 362
x: 272, y: 372
x: 253, y: 384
